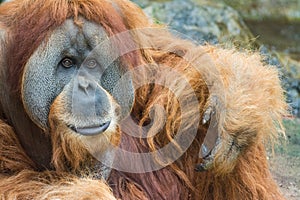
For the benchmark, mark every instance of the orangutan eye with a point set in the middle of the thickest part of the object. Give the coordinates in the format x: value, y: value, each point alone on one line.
x: 67, y: 62
x: 91, y: 63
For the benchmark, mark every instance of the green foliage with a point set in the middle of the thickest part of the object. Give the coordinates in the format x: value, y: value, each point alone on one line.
x: 291, y: 147
x: 293, y: 131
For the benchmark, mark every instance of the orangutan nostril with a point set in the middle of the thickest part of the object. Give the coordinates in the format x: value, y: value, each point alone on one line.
x: 83, y: 82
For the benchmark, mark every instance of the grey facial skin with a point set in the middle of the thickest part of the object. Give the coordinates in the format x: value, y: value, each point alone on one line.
x: 76, y: 62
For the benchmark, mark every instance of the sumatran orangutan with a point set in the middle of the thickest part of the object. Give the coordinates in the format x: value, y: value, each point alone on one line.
x: 97, y: 102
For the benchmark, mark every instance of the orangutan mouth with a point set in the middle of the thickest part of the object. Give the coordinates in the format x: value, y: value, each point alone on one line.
x: 91, y: 130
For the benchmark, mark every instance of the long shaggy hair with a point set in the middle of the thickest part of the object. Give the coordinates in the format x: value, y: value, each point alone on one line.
x: 250, y: 108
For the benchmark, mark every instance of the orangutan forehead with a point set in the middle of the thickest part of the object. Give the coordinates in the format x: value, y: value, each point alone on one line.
x: 87, y: 35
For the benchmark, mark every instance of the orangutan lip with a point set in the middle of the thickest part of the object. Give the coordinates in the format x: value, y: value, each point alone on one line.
x: 90, y: 131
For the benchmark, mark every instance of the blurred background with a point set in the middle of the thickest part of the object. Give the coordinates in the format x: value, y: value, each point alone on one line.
x: 271, y: 27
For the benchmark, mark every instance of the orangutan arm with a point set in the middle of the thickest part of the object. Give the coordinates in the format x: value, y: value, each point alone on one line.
x: 245, y: 106
x: 18, y: 180
x: 51, y: 185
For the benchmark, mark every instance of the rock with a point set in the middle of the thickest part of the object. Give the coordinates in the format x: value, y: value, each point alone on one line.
x: 266, y: 9
x: 292, y: 70
x: 202, y: 22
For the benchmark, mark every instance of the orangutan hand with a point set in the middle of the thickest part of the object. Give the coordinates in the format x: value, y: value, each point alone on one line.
x: 218, y: 151
x: 244, y: 109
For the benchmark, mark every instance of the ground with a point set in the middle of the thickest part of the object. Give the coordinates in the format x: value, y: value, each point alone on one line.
x: 285, y: 162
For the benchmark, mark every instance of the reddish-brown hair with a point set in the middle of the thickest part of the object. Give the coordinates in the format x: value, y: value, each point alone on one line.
x: 32, y: 22
x: 253, y: 110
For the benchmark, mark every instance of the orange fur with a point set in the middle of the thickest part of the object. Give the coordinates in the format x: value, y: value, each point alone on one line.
x: 251, y: 105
